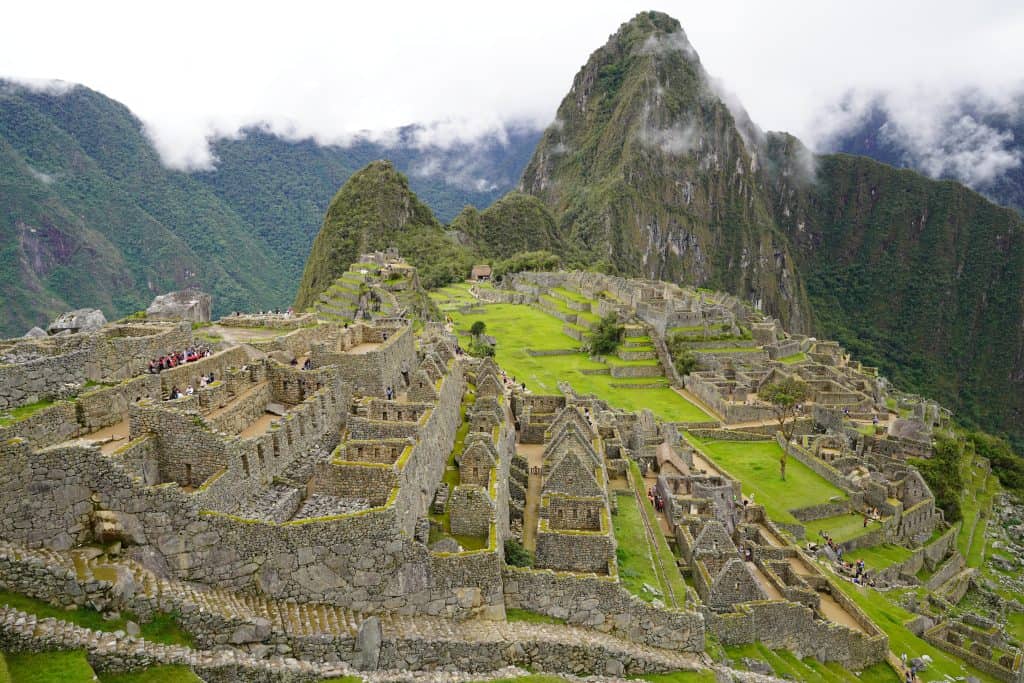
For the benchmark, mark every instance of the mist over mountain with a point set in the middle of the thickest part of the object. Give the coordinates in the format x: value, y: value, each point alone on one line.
x: 92, y: 217
x: 968, y: 136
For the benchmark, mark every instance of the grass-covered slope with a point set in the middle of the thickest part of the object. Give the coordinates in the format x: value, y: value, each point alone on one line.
x: 375, y: 209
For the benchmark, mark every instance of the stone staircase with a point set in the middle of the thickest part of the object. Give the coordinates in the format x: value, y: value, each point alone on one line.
x: 309, y: 629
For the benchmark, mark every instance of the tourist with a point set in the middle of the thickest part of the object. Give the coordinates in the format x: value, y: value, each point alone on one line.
x: 189, y: 390
x: 212, y: 380
x: 865, y: 521
x: 308, y: 365
x: 174, y: 393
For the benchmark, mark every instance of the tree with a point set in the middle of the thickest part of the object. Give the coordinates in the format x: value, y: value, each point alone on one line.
x: 784, y: 396
x: 683, y: 358
x: 478, y: 328
x: 606, y: 335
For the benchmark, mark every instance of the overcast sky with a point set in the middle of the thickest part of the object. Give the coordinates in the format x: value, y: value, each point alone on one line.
x: 189, y: 69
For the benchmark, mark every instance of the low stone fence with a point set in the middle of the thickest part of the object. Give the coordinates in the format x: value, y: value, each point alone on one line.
x: 822, y: 510
x: 790, y: 626
x: 601, y: 603
x: 107, y: 406
x: 624, y: 371
x: 726, y: 435
x: 276, y: 322
x: 551, y: 352
x: 930, y: 555
x: 937, y: 636
x: 45, y: 427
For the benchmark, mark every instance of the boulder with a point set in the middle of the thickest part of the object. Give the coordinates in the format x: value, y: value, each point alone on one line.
x: 35, y: 333
x: 79, y: 320
x: 368, y: 644
x: 187, y: 304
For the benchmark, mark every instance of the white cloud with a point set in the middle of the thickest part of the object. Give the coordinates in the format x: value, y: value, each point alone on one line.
x: 327, y: 71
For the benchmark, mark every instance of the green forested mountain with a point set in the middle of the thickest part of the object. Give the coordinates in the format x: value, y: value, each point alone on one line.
x: 648, y: 169
x: 90, y: 217
x: 514, y: 224
x: 374, y: 210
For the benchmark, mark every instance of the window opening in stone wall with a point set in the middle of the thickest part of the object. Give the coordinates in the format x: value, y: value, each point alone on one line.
x: 188, y: 474
x: 245, y: 464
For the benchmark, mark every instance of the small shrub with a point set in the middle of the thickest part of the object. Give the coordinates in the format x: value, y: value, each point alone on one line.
x: 606, y: 335
x: 516, y: 555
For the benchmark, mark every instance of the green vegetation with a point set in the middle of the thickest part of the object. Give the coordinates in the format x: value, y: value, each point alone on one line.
x: 752, y: 463
x: 21, y: 412
x: 513, y: 614
x: 944, y: 472
x: 703, y: 676
x: 841, y: 528
x: 795, y: 358
x: 514, y: 224
x: 788, y: 666
x: 49, y: 667
x: 606, y: 336
x: 162, y: 629
x: 633, y: 552
x: 784, y: 397
x: 682, y: 356
x: 518, y: 328
x: 516, y: 555
x: 891, y: 618
x: 530, y: 260
x: 157, y: 674
x: 879, y: 556
x: 375, y: 209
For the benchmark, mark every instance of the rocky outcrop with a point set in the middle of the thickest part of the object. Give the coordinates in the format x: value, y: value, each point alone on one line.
x: 187, y: 304
x: 78, y: 320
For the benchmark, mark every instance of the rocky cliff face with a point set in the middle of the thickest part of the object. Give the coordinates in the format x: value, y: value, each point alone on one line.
x: 649, y: 172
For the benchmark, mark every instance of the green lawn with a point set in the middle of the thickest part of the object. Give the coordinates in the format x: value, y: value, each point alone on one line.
x: 703, y: 676
x: 890, y: 617
x: 157, y: 674
x: 518, y: 327
x: 1015, y: 624
x: 756, y: 465
x: 879, y: 556
x: 664, y: 552
x: 162, y: 629
x: 633, y: 552
x: 49, y: 667
x: 842, y: 528
x: 514, y: 614
x: 795, y: 358
x: 788, y: 666
x: 572, y: 296
x: 976, y: 507
x: 21, y: 412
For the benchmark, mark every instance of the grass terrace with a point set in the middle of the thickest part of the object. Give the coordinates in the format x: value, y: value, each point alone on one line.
x: 157, y: 674
x: 518, y: 327
x: 788, y: 666
x: 879, y: 556
x: 756, y: 465
x: 795, y: 358
x: 634, y: 552
x: 842, y: 528
x: 162, y: 629
x: 891, y: 618
x: 22, y: 412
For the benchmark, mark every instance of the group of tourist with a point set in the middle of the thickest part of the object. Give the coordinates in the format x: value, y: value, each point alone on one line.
x: 656, y: 500
x: 173, y: 360
x: 204, y: 381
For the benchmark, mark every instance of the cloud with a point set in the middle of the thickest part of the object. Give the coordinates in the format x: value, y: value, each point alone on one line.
x: 48, y: 86
x: 44, y: 178
x: 664, y: 43
x: 961, y: 134
x: 327, y: 73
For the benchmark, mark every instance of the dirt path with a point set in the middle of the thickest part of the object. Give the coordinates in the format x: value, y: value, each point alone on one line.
x: 771, y: 590
x: 534, y: 454
x: 365, y: 347
x: 259, y: 426
x: 834, y: 612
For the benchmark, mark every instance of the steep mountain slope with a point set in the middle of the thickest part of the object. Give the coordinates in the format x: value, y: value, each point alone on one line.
x: 648, y: 170
x: 922, y: 278
x: 102, y: 222
x: 282, y: 187
x: 90, y: 217
x: 974, y: 140
x: 515, y: 223
x: 375, y: 209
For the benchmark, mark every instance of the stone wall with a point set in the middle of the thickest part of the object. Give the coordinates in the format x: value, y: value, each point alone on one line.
x: 47, y: 426
x: 789, y: 626
x: 372, y: 372
x: 603, y: 604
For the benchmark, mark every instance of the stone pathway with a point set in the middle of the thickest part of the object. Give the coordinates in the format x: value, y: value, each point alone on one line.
x: 534, y: 454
